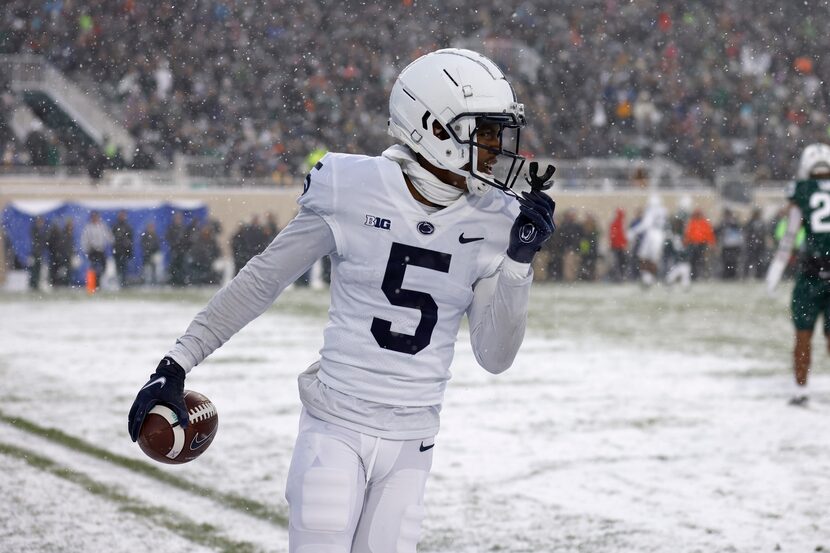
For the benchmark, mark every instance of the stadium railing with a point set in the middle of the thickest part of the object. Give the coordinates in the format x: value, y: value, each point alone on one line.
x: 26, y: 73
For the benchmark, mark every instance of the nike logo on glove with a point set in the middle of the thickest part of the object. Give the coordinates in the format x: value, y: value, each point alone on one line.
x: 464, y: 240
x: 160, y: 380
x: 427, y: 447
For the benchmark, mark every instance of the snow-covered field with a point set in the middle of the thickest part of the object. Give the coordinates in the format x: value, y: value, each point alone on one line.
x: 632, y: 421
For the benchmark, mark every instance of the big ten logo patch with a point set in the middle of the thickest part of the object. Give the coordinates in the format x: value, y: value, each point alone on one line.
x: 377, y: 222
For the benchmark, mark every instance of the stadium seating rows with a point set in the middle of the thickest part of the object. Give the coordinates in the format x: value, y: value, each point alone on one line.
x: 262, y: 83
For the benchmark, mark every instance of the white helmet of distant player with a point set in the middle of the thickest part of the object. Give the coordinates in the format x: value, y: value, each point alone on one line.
x: 441, y: 100
x: 815, y: 160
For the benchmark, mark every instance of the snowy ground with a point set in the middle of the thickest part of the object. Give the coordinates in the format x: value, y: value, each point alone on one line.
x: 631, y: 422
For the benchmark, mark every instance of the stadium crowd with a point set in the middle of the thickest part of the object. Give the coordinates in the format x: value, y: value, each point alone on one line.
x: 260, y: 84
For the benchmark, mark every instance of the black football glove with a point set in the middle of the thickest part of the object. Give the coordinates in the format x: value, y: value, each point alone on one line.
x: 532, y: 227
x: 166, y: 386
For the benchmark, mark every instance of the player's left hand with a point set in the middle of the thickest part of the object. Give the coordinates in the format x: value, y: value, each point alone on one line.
x: 532, y: 227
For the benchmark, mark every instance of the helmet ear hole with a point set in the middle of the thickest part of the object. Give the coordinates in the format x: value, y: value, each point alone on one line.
x: 439, y: 131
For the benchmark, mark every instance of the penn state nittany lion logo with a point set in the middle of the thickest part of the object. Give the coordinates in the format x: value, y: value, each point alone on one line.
x: 527, y: 233
x: 425, y: 227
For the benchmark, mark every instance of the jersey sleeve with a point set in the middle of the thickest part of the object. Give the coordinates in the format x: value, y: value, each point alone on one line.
x: 302, y: 242
x: 320, y: 195
x: 498, y: 315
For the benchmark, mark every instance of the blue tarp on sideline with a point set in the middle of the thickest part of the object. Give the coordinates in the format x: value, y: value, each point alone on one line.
x: 19, y: 215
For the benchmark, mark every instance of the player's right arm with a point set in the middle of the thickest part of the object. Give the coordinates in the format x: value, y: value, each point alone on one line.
x: 785, y: 248
x: 303, y: 241
x: 307, y: 238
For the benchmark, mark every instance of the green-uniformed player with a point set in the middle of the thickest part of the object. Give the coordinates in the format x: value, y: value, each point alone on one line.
x: 809, y: 207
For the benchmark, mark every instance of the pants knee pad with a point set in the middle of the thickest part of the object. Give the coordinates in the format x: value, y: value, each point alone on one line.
x: 326, y: 500
x: 410, y: 532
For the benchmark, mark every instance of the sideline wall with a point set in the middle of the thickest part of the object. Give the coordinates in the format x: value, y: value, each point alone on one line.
x: 231, y: 206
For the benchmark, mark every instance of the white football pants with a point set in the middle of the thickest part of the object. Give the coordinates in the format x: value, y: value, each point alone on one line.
x: 349, y: 492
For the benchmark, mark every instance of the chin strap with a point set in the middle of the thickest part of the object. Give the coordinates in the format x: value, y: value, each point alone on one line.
x: 428, y: 185
x: 477, y: 187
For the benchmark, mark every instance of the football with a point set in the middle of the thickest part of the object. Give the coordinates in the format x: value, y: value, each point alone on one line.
x: 163, y: 439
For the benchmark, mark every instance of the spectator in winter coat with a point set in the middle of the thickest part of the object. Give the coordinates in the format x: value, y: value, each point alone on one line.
x: 619, y: 246
x: 96, y: 243
x: 272, y: 228
x: 58, y: 265
x: 589, y: 249
x: 178, y: 241
x: 203, y: 253
x: 756, y: 233
x: 151, y: 251
x: 570, y: 236
x: 40, y: 239
x: 123, y: 247
x: 62, y: 255
x: 69, y: 258
x: 238, y: 251
x: 700, y: 236
x: 730, y: 236
x: 255, y: 238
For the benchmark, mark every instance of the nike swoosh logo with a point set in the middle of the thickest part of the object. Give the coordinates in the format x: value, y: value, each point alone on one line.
x: 199, y: 440
x: 160, y: 380
x: 430, y: 446
x: 464, y: 240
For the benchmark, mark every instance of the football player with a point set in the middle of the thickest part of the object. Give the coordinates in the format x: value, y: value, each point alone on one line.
x: 809, y: 200
x: 679, y: 267
x: 651, y: 229
x: 427, y: 232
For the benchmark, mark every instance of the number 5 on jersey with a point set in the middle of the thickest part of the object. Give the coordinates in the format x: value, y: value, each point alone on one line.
x: 400, y: 257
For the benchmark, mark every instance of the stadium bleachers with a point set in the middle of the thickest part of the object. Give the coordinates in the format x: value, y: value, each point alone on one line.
x: 258, y: 85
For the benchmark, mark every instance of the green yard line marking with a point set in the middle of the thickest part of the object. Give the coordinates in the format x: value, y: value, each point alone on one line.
x: 203, y: 534
x: 236, y: 502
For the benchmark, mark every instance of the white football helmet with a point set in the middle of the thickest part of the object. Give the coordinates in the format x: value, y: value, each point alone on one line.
x: 439, y: 102
x: 814, y: 159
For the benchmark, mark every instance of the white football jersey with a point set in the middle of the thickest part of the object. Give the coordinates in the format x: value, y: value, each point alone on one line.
x: 402, y: 278
x: 651, y: 229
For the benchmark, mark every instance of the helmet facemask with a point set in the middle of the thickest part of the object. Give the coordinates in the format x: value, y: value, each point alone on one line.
x: 493, y: 142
